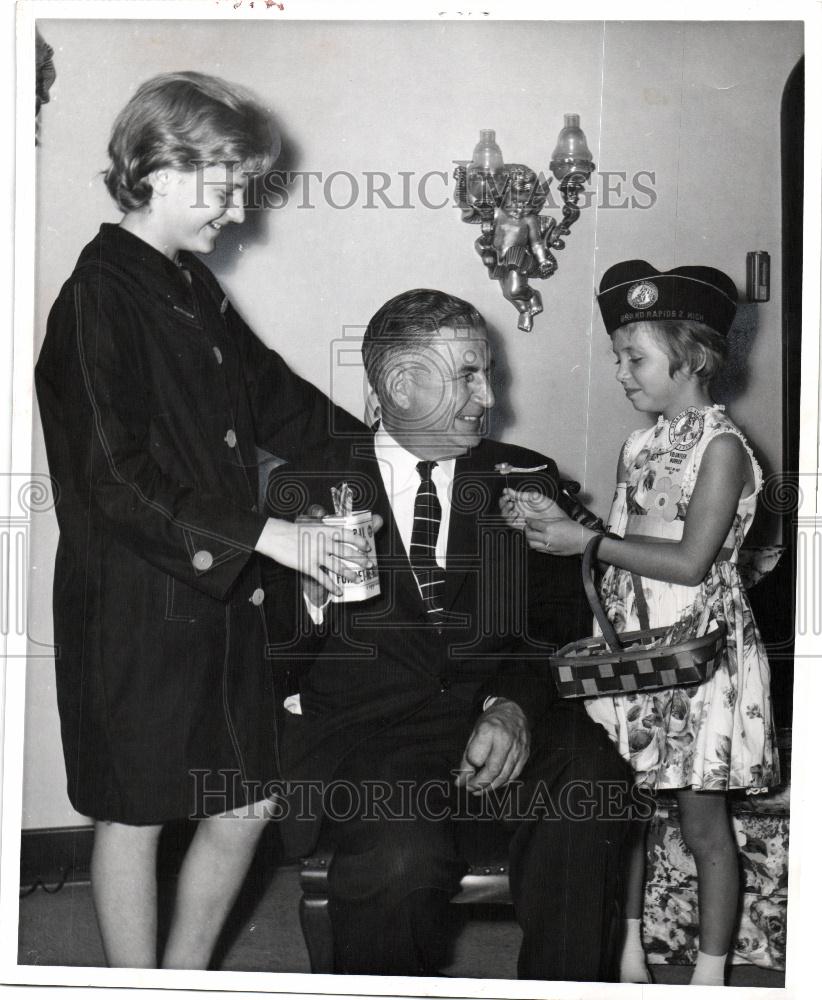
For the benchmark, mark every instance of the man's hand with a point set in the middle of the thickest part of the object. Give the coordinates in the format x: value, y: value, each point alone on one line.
x: 497, y: 749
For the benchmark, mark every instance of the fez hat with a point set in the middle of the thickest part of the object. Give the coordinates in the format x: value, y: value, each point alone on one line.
x: 632, y: 291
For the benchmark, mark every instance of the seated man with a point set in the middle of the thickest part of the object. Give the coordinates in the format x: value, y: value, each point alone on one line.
x: 428, y: 716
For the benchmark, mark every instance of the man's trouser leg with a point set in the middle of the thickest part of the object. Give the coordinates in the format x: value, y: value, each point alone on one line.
x: 395, y: 864
x: 566, y: 867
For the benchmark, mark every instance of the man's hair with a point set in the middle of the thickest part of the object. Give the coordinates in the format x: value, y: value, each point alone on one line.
x: 695, y: 346
x: 185, y: 120
x: 407, y: 320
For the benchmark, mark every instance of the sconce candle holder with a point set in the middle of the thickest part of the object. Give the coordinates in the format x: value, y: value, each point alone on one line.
x: 505, y: 200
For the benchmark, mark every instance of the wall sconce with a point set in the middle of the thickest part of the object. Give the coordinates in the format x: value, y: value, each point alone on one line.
x: 505, y: 200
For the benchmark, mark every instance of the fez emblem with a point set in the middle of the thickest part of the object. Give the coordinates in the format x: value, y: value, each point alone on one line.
x: 642, y: 295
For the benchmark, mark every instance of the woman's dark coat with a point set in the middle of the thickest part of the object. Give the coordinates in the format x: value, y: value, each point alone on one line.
x: 154, y: 397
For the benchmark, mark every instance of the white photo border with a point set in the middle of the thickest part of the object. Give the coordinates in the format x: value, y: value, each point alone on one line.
x: 805, y: 887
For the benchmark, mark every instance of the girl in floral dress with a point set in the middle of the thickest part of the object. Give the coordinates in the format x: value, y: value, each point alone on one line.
x: 685, y: 498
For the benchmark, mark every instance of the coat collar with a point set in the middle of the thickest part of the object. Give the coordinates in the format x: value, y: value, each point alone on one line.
x: 152, y: 272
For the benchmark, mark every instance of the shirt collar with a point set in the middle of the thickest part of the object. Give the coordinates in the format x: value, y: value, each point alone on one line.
x: 399, y: 466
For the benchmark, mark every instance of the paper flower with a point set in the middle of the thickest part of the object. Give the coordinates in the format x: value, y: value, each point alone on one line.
x: 663, y: 497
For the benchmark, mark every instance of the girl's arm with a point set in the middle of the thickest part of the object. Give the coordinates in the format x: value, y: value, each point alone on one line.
x: 96, y: 426
x: 292, y: 417
x: 725, y: 472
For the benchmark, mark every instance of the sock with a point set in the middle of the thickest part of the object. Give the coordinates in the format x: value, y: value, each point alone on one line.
x: 709, y: 970
x: 632, y: 965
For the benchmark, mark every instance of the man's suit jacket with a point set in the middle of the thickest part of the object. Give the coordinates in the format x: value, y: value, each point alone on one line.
x: 380, y: 662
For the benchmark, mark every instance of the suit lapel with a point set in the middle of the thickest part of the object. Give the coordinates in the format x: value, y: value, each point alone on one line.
x: 471, y: 500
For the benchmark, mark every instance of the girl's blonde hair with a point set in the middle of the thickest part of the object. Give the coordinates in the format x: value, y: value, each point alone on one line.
x: 696, y: 347
x: 186, y: 120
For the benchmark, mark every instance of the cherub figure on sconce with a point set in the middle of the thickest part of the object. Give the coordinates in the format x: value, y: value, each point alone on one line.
x: 506, y: 199
x: 514, y: 250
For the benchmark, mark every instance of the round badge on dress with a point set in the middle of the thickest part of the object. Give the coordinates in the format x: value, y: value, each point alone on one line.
x: 686, y: 429
x: 642, y: 295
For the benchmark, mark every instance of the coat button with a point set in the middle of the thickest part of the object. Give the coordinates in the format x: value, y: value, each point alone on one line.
x: 218, y: 354
x: 202, y: 560
x: 257, y: 597
x: 230, y: 438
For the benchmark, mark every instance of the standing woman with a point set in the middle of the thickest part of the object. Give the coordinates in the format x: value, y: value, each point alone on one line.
x: 154, y: 395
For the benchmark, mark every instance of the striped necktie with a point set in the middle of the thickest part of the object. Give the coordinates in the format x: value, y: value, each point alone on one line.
x: 423, y: 550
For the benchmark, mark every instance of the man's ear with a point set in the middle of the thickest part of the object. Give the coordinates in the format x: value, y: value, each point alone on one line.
x: 372, y: 414
x: 398, y: 386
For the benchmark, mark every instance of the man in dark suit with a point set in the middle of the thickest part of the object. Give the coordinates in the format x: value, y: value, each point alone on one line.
x: 428, y: 722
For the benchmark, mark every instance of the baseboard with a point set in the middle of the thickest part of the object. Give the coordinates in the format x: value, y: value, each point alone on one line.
x: 54, y: 856
x: 58, y: 855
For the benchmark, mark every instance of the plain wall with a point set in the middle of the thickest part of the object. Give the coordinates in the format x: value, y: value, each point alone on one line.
x: 696, y: 104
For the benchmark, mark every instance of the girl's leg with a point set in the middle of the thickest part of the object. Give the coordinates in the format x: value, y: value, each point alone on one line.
x: 632, y: 965
x: 706, y: 829
x: 210, y: 879
x: 124, y: 889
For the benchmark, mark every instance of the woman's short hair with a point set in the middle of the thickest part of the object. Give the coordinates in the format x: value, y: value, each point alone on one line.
x: 696, y: 347
x: 185, y: 120
x: 411, y: 318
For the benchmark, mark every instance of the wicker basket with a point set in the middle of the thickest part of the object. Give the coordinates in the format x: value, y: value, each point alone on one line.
x: 610, y: 664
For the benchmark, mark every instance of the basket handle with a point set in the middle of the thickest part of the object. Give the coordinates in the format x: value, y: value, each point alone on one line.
x: 588, y: 557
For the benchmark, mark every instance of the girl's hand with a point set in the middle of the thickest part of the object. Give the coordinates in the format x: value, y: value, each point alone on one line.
x: 314, y: 548
x: 517, y: 506
x: 559, y: 536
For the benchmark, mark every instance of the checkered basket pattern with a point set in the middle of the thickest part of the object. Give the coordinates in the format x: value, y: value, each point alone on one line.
x: 588, y: 669
x: 611, y: 664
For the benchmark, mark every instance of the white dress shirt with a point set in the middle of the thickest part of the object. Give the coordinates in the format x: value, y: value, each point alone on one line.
x: 398, y: 468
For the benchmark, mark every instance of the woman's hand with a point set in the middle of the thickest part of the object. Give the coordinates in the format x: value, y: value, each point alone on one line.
x: 314, y: 549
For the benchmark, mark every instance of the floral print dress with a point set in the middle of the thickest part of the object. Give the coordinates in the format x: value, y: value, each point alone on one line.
x: 719, y: 734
